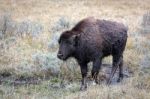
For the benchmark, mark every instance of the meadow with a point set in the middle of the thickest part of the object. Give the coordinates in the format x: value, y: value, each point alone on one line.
x: 29, y: 32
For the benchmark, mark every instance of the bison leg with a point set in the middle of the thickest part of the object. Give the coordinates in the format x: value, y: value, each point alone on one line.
x: 95, y: 69
x: 120, y: 70
x: 84, y: 76
x: 116, y: 62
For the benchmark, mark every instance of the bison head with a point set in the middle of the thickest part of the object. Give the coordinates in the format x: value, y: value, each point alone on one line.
x: 67, y: 45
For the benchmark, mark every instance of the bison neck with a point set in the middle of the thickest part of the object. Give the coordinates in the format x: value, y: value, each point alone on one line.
x: 85, y: 54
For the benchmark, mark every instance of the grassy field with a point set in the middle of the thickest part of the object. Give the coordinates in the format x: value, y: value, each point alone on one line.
x: 29, y: 30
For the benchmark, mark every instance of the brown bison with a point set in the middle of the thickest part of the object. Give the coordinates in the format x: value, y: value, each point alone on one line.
x: 90, y: 41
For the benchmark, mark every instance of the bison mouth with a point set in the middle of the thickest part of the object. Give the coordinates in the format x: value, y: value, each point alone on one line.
x: 61, y: 57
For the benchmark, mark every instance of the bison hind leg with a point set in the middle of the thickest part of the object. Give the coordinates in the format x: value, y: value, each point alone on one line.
x: 120, y: 70
x: 117, y: 62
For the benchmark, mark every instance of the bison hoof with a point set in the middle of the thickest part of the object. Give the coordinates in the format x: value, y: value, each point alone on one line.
x: 119, y: 79
x: 83, y: 88
x: 94, y: 83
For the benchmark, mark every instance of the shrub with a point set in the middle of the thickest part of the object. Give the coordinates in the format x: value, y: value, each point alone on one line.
x: 61, y: 24
x: 28, y: 27
x: 143, y: 44
x: 47, y: 62
x: 10, y: 28
x: 56, y: 30
x: 145, y: 63
x: 53, y: 43
x: 7, y: 27
x: 145, y: 26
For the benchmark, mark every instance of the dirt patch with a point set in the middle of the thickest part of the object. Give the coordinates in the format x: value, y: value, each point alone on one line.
x: 106, y: 70
x: 8, y: 78
x: 22, y: 80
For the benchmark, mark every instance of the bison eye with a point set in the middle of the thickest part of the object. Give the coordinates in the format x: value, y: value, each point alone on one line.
x: 59, y: 41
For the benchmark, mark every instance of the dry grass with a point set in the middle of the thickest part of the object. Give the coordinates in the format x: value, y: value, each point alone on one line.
x: 17, y: 56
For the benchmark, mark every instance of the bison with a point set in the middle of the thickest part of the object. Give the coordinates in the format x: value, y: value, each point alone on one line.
x: 90, y: 41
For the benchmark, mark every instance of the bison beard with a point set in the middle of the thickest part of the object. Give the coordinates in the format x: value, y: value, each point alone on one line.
x: 90, y: 41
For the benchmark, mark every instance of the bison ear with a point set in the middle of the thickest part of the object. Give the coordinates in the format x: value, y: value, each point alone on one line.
x: 75, y: 39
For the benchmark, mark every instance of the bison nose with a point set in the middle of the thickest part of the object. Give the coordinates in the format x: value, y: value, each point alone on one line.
x: 59, y: 55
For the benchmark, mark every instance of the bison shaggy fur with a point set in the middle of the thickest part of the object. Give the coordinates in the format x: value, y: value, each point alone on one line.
x: 90, y: 41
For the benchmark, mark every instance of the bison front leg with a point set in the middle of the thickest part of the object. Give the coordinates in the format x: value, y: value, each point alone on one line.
x: 95, y: 69
x: 84, y: 76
